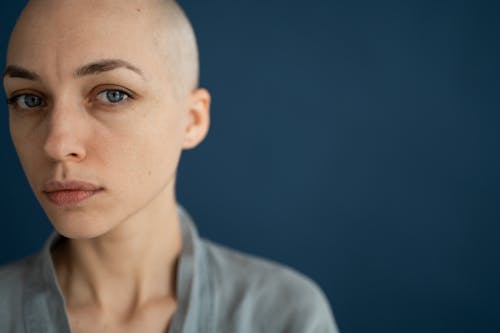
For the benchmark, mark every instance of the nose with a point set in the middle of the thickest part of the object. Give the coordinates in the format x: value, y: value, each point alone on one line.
x: 65, y: 140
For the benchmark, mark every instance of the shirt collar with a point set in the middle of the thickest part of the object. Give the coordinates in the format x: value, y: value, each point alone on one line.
x: 44, y: 306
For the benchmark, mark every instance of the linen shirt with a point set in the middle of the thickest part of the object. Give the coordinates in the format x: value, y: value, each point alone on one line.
x: 219, y: 291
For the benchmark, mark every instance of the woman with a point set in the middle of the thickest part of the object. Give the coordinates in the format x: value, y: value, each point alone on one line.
x: 103, y: 97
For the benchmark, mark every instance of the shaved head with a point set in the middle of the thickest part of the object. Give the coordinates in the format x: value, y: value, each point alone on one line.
x: 180, y: 45
x: 105, y: 91
x: 165, y: 22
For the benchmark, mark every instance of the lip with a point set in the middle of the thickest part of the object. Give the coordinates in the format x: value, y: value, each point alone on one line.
x: 69, y: 192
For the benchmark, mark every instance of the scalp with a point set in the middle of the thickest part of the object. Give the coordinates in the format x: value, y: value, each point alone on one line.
x: 180, y: 42
x: 165, y: 21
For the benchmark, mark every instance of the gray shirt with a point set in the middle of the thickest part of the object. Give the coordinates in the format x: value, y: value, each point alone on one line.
x: 219, y: 291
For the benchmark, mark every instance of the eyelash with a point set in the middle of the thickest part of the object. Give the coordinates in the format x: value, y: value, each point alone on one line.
x: 13, y: 101
x: 128, y: 95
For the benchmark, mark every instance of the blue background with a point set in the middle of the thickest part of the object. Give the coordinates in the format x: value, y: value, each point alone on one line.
x: 356, y: 141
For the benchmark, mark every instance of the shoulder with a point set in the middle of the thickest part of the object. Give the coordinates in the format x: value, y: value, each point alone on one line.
x: 12, y: 275
x: 268, y: 296
x: 12, y: 284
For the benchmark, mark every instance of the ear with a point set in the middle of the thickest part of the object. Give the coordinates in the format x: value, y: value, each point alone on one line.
x: 198, y: 119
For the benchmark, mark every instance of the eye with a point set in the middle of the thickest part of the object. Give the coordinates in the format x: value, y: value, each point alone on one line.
x: 112, y: 96
x: 26, y: 101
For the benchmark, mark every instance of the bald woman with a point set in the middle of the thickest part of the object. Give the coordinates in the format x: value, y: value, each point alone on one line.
x: 103, y: 98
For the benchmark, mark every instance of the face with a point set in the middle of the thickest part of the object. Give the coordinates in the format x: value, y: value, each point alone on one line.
x: 92, y: 115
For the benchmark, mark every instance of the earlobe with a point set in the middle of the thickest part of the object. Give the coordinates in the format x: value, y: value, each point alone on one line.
x: 198, y: 118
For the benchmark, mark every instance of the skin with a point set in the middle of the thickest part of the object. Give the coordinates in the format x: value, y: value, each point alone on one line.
x: 108, y: 269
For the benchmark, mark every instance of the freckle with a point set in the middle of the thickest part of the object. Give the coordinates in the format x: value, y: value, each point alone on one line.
x: 149, y: 172
x: 138, y: 10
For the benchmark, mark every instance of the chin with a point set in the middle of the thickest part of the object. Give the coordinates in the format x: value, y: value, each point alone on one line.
x: 80, y: 227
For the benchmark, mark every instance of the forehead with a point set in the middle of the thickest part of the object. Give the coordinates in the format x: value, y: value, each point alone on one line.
x: 59, y: 36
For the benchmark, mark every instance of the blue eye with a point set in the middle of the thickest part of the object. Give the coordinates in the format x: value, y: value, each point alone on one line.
x: 112, y: 96
x: 26, y: 101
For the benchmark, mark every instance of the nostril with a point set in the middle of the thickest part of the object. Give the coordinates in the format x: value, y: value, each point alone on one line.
x: 61, y: 148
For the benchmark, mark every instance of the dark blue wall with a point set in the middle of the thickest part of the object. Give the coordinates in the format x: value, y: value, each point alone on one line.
x: 356, y: 141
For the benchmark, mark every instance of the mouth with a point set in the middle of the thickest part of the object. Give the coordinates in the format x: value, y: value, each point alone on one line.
x: 70, y: 193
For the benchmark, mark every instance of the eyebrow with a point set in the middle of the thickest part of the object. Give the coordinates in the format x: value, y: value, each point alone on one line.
x: 92, y: 68
x: 17, y: 71
x: 105, y: 65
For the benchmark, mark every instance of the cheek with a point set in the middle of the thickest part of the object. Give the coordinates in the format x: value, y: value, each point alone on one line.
x: 28, y: 143
x: 18, y: 136
x: 143, y: 151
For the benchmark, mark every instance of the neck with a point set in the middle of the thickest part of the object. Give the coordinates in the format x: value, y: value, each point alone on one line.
x: 126, y: 268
